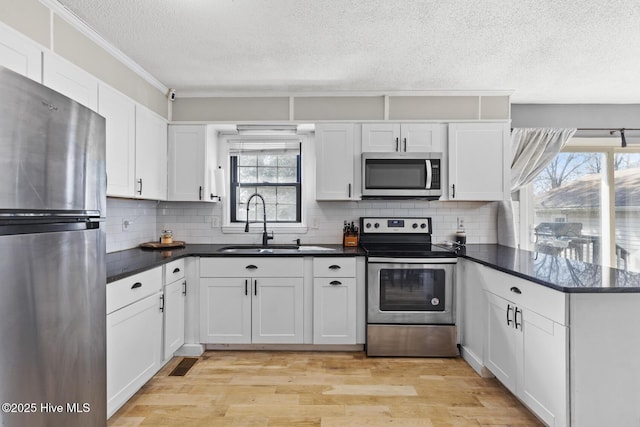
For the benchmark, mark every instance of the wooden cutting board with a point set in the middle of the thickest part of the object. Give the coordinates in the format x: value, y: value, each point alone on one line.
x: 158, y: 245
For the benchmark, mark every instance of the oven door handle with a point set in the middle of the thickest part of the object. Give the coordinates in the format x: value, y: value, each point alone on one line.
x: 412, y: 260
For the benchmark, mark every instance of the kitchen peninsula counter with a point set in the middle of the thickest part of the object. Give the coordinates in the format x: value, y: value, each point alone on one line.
x: 559, y: 273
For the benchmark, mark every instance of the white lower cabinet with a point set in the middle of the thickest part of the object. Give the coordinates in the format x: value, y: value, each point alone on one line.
x: 527, y: 344
x: 253, y: 300
x: 334, y: 301
x: 134, y: 335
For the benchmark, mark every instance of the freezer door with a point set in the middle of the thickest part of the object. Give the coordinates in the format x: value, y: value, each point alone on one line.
x: 53, y: 329
x: 53, y: 150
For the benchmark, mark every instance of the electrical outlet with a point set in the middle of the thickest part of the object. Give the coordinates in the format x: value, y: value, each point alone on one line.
x: 315, y: 223
x: 460, y: 223
x: 215, y: 222
x: 126, y: 224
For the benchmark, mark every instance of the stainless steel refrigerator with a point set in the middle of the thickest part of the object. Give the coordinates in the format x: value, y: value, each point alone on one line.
x: 52, y: 258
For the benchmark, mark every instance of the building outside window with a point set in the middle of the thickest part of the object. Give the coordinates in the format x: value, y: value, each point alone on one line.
x: 586, y: 205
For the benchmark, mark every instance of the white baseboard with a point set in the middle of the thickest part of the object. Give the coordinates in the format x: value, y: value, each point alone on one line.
x: 190, y: 350
x: 475, y: 362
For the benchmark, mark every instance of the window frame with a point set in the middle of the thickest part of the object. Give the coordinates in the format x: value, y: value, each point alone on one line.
x: 229, y: 136
x: 607, y: 146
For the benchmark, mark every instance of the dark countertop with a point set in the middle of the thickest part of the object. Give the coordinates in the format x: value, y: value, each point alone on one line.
x: 131, y: 261
x: 554, y: 272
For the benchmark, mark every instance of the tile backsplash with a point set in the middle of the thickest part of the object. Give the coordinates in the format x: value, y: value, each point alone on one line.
x: 196, y: 222
x: 141, y: 216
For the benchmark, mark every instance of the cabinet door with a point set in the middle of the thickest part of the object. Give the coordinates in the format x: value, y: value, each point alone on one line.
x: 277, y: 311
x: 502, y: 341
x: 70, y: 80
x: 334, y: 311
x: 134, y: 346
x: 381, y: 137
x: 186, y: 159
x: 119, y: 112
x: 20, y: 54
x: 543, y: 386
x: 479, y: 161
x: 151, y: 155
x: 225, y: 310
x: 174, y: 300
x: 335, y: 159
x: 421, y: 137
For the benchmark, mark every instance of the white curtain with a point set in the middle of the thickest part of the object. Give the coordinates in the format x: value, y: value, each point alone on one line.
x: 531, y: 151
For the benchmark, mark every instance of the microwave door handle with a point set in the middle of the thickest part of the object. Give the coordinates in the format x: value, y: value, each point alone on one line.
x: 429, y: 174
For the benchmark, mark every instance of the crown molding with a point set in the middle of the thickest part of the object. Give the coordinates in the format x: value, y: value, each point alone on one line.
x: 73, y: 20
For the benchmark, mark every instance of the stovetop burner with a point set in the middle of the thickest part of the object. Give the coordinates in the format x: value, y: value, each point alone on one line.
x: 401, y: 237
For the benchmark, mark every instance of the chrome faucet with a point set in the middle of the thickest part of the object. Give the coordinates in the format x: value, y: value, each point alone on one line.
x: 265, y: 235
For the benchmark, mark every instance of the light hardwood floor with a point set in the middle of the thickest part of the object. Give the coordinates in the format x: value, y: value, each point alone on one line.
x: 255, y: 388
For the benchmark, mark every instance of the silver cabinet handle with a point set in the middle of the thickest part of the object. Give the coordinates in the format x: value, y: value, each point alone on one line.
x: 184, y: 287
x: 162, y: 303
x: 140, y: 182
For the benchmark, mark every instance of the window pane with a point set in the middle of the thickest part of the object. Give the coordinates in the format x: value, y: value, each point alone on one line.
x: 247, y: 160
x: 243, y: 194
x: 286, y: 212
x: 287, y: 175
x: 266, y: 174
x: 567, y: 201
x: 288, y: 160
x: 627, y: 210
x: 247, y: 174
x: 267, y: 160
x: 287, y: 195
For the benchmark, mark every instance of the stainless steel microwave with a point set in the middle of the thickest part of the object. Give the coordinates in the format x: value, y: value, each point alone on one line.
x: 401, y: 175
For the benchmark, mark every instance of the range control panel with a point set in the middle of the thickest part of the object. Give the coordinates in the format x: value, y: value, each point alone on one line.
x: 400, y: 225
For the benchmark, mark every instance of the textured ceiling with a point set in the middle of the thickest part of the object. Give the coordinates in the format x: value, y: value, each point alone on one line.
x: 569, y: 51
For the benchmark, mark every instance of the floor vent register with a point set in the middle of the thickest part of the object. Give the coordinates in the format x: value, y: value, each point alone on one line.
x: 183, y: 367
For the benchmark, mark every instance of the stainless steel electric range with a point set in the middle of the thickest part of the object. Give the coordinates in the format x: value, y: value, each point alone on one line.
x: 410, y: 289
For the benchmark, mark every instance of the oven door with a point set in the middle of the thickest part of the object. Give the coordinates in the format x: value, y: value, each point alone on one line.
x: 410, y: 291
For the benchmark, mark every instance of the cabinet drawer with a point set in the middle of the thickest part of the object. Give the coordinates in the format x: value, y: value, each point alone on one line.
x: 251, y: 267
x: 173, y: 271
x: 334, y: 267
x: 131, y: 289
x: 544, y: 301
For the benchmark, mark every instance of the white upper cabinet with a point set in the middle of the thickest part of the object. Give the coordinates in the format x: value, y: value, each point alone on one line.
x: 20, y: 54
x: 151, y: 155
x: 479, y: 161
x: 70, y: 80
x: 120, y: 114
x: 192, y: 162
x: 335, y: 162
x: 402, y: 137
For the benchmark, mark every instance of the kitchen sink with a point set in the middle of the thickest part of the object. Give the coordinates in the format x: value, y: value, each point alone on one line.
x: 270, y: 249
